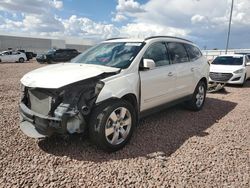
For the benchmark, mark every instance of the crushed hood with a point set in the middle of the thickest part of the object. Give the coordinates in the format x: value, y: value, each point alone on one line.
x: 225, y: 68
x: 59, y: 75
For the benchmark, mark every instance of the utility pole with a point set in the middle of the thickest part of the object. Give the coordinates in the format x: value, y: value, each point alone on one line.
x: 229, y: 25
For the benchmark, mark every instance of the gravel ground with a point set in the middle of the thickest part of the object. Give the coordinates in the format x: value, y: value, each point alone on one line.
x: 210, y: 148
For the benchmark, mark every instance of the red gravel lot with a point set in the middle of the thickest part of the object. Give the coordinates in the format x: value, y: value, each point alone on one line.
x: 176, y: 147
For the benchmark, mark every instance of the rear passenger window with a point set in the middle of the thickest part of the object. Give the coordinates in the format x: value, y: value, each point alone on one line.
x: 158, y: 53
x: 193, y: 52
x: 177, y: 52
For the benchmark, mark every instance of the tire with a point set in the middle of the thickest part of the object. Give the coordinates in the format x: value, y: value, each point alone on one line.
x: 107, y: 130
x: 21, y: 60
x: 198, y: 97
x: 49, y: 61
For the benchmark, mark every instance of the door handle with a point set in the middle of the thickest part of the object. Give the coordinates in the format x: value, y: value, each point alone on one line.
x: 192, y: 69
x: 170, y: 74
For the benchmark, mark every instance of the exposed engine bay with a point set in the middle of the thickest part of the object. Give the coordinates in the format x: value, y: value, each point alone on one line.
x: 62, y: 110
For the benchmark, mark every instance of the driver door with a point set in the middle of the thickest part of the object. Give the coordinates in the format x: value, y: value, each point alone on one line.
x: 157, y: 84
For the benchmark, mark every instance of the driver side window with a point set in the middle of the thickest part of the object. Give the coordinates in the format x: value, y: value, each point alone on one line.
x: 158, y: 53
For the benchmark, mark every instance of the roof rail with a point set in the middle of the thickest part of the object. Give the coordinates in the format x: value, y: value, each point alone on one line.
x: 167, y: 37
x: 115, y: 38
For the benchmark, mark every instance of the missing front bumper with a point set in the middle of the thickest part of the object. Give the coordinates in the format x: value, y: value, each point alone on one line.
x: 36, y: 125
x: 30, y: 130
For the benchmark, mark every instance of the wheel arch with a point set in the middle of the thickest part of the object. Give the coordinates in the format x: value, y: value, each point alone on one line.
x: 204, y: 79
x: 131, y: 98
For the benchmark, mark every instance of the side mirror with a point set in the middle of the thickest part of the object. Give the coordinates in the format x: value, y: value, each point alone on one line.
x: 248, y: 64
x: 148, y: 64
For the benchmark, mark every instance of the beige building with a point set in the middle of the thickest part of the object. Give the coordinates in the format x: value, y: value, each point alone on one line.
x: 37, y: 45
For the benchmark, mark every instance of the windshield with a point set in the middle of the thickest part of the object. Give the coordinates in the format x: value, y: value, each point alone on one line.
x: 228, y: 60
x: 115, y: 54
x: 51, y: 51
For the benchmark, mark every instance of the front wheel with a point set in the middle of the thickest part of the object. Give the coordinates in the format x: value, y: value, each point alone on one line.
x: 198, y: 98
x: 111, y: 125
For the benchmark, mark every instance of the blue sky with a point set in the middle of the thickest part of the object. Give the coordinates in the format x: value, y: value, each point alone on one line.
x: 203, y: 21
x: 94, y: 9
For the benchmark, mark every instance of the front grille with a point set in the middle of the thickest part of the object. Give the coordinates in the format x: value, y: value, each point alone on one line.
x: 223, y: 77
x: 39, y: 102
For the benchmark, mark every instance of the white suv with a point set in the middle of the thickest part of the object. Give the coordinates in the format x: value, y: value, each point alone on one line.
x: 107, y: 89
x: 232, y: 69
x: 12, y: 56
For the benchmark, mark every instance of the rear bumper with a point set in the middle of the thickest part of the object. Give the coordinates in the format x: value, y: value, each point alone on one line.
x: 36, y: 125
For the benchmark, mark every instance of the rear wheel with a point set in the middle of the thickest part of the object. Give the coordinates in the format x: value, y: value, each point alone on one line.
x: 21, y: 60
x: 111, y: 125
x: 198, y: 98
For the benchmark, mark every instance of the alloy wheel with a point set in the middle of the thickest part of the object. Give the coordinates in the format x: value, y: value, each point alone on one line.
x: 118, y: 126
x: 200, y: 96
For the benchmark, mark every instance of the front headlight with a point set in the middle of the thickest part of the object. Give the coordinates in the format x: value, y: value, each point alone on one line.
x: 239, y: 71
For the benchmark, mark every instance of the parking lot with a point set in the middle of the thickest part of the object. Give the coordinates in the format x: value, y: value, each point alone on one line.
x: 175, y: 147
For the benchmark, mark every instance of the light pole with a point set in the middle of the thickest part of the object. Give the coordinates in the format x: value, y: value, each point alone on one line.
x: 229, y: 25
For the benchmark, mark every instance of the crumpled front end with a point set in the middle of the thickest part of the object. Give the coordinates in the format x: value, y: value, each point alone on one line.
x: 48, y: 111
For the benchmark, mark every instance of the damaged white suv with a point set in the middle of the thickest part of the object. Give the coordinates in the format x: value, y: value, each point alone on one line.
x: 107, y: 89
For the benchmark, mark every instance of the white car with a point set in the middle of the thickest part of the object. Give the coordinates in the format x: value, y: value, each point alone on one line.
x: 232, y: 69
x: 12, y: 56
x: 107, y: 89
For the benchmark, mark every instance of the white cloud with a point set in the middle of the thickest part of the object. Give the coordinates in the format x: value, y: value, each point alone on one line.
x: 197, y: 19
x: 81, y: 26
x: 203, y: 21
x: 143, y: 30
x: 128, y: 6
x: 30, y: 6
x: 57, y: 4
x: 35, y: 16
x: 42, y: 23
x: 119, y: 17
x: 10, y: 25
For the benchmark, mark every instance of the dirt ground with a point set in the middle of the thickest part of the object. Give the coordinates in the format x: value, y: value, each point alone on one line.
x: 176, y: 147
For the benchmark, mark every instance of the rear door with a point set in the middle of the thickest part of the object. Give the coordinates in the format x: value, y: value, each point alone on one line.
x: 196, y: 63
x: 58, y: 56
x: 158, y: 84
x: 15, y: 56
x: 64, y: 55
x: 184, y: 69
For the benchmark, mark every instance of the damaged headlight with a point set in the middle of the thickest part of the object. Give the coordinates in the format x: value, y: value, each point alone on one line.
x: 75, y: 98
